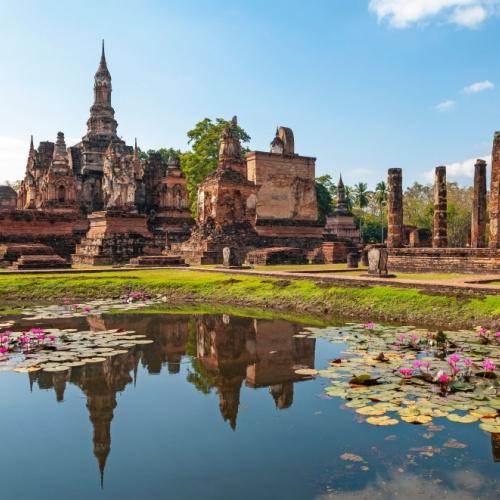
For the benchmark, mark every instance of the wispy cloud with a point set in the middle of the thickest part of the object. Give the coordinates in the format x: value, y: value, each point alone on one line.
x: 474, y: 88
x: 445, y: 106
x: 13, y: 154
x: 404, y: 13
x: 463, y: 170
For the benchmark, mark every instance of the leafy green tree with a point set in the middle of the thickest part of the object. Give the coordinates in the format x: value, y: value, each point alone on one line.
x: 324, y: 197
x: 418, y: 206
x: 15, y: 185
x: 202, y: 159
x: 327, y: 182
x: 165, y: 153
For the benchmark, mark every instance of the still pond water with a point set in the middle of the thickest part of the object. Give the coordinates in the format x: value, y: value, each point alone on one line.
x: 213, y: 409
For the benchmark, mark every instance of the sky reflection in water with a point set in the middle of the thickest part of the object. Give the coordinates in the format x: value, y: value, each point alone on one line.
x: 213, y: 409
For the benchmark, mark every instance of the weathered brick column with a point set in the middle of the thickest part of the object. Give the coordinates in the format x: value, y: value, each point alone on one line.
x: 495, y: 194
x: 440, y: 223
x: 394, y: 208
x: 478, y: 223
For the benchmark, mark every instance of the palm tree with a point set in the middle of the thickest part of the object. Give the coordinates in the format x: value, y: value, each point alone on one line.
x: 349, y: 196
x: 361, y: 195
x: 381, y: 200
x: 361, y: 200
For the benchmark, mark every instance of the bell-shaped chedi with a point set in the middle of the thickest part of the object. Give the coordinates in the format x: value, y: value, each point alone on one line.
x: 226, y: 205
x: 58, y: 186
x: 340, y: 224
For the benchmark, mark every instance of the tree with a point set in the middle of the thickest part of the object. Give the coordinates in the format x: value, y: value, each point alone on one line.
x: 361, y: 195
x: 381, y: 200
x: 165, y: 153
x: 15, y: 185
x: 324, y: 197
x: 327, y: 182
x: 418, y: 206
x: 349, y: 196
x: 361, y: 201
x: 202, y: 159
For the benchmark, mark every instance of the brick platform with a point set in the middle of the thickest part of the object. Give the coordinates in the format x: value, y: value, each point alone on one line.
x: 40, y: 262
x: 277, y: 255
x: 444, y: 260
x: 157, y: 261
x: 116, y: 237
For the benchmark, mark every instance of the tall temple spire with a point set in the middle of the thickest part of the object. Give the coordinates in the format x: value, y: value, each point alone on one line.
x: 103, y: 55
x: 341, y: 207
x: 32, y: 148
x: 102, y: 115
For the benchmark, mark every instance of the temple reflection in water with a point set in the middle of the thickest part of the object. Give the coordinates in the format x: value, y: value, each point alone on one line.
x: 225, y: 353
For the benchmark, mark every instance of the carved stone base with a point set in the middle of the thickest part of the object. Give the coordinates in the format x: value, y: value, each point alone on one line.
x: 116, y: 237
x: 40, y: 262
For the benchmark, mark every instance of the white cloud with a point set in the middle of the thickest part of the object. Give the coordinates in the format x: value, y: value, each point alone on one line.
x: 463, y: 170
x: 445, y: 106
x: 403, y: 13
x: 13, y: 154
x: 474, y: 88
x: 470, y: 17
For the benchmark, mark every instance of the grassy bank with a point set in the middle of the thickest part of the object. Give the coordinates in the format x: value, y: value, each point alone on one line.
x: 378, y: 303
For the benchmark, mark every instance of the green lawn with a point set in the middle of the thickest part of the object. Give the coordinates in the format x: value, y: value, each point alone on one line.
x: 304, y: 296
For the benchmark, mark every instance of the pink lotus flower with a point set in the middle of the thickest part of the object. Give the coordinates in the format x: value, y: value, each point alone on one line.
x: 497, y: 335
x: 86, y: 309
x: 421, y: 364
x: 482, y: 332
x: 443, y: 378
x: 489, y: 366
x: 75, y: 306
x: 3, y: 350
x: 40, y: 337
x: 453, y: 359
x: 37, y: 331
x: 369, y: 326
x: 24, y: 339
x: 406, y: 372
x: 467, y: 362
x: 414, y: 339
x: 66, y: 302
x: 52, y: 338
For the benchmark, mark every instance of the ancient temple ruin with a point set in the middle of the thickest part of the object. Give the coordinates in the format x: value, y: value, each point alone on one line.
x: 77, y: 198
x: 262, y: 206
x: 440, y: 257
x: 341, y: 234
x: 98, y: 202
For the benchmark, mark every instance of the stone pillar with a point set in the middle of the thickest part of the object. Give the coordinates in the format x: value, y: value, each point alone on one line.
x: 440, y: 222
x: 394, y: 208
x: 495, y: 194
x: 478, y: 223
x: 414, y: 239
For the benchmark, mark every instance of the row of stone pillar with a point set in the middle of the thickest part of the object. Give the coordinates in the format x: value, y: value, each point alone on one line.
x: 440, y: 222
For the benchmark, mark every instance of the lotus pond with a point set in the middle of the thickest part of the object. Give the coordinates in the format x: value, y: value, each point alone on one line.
x: 97, y: 403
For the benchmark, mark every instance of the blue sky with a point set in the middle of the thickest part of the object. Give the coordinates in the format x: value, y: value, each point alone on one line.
x: 365, y: 84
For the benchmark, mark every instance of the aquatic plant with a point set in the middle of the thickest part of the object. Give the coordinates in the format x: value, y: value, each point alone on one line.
x: 414, y: 374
